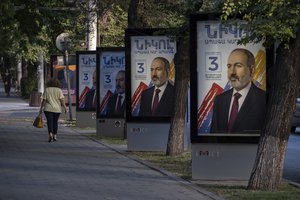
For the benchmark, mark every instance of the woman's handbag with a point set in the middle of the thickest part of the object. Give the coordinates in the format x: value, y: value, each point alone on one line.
x: 38, y: 122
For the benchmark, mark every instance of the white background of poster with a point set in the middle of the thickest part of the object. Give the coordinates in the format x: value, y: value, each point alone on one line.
x: 110, y: 63
x: 143, y: 50
x: 215, y: 41
x: 87, y: 66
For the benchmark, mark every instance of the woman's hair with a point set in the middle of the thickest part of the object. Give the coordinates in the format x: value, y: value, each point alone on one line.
x: 53, y: 82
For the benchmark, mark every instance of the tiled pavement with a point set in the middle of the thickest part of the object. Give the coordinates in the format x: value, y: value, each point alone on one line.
x: 74, y: 167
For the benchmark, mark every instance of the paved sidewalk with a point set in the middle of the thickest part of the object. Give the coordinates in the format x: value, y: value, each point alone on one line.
x: 74, y: 167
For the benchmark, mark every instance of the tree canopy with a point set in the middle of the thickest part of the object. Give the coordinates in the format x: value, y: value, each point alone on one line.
x: 28, y: 28
x: 267, y: 19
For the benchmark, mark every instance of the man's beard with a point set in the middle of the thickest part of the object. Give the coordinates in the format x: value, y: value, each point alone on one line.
x: 238, y: 83
x: 119, y: 90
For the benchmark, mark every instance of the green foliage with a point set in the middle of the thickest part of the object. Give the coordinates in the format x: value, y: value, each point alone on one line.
x: 28, y: 28
x: 286, y: 192
x: 112, y: 27
x: 180, y: 164
x: 269, y: 20
x: 212, y: 6
x: 163, y: 14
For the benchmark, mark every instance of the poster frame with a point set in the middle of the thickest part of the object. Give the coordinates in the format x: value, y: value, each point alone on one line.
x: 169, y: 32
x: 213, y: 138
x: 78, y: 53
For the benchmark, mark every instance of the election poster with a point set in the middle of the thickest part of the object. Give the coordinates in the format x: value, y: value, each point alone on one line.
x: 112, y: 82
x: 152, y: 68
x: 87, y: 81
x: 215, y: 42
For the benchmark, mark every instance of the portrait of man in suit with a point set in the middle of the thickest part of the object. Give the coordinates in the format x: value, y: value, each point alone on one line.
x: 116, y: 103
x: 241, y: 109
x: 90, y: 99
x: 158, y: 99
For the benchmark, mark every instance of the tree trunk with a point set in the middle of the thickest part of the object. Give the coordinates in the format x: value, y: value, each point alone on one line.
x: 283, y: 91
x: 175, y: 144
x: 19, y: 71
x: 40, y: 73
x: 133, y: 14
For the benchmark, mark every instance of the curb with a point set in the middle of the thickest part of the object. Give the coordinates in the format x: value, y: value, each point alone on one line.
x: 185, y: 183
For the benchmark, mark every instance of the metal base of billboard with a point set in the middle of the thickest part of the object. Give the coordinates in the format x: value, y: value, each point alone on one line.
x: 222, y: 161
x: 150, y: 137
x: 86, y: 119
x: 111, y: 127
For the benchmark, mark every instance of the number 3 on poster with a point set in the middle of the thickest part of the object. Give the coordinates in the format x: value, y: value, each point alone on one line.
x: 140, y: 69
x: 213, y: 62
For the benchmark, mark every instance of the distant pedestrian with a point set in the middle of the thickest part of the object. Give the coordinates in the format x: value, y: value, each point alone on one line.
x: 52, y: 101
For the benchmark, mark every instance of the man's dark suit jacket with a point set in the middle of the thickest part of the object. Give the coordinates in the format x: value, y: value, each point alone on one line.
x: 250, y: 117
x: 89, y: 100
x: 111, y: 105
x: 165, y: 106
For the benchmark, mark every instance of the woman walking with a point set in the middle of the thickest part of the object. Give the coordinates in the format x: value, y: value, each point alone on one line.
x: 52, y: 101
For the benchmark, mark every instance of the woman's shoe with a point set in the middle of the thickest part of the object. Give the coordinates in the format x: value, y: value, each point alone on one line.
x: 50, y: 137
x: 54, y: 138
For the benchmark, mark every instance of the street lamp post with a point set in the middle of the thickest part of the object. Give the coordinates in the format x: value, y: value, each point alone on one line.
x: 63, y: 44
x: 68, y: 84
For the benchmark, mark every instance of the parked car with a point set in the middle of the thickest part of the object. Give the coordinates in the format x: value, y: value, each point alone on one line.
x: 296, y: 118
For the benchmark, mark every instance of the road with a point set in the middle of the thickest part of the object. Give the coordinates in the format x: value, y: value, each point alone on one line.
x: 291, y: 169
